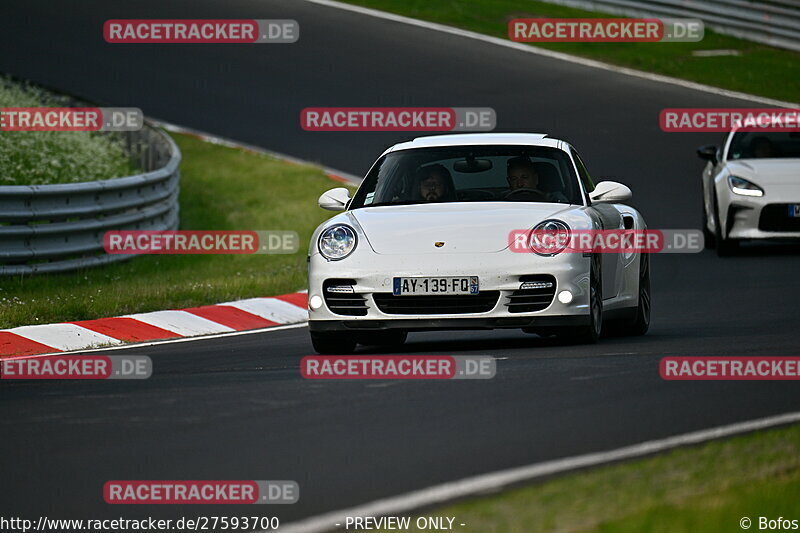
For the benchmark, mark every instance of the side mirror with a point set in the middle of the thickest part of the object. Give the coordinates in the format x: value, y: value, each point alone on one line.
x: 708, y: 152
x: 610, y: 192
x: 334, y: 199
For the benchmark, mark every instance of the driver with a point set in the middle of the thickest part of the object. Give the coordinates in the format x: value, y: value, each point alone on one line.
x: 434, y: 183
x: 521, y: 174
x: 762, y: 147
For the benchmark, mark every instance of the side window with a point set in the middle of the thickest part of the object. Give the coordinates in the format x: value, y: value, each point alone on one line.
x: 588, y: 184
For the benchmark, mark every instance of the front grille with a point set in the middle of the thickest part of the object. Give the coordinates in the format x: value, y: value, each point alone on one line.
x: 482, y: 302
x: 343, y: 303
x: 536, y: 299
x: 775, y: 217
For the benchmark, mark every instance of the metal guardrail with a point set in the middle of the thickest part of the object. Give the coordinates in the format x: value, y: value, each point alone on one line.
x: 56, y: 228
x: 772, y: 22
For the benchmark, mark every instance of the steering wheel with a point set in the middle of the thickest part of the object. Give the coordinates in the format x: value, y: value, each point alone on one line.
x: 525, y: 191
x: 476, y: 194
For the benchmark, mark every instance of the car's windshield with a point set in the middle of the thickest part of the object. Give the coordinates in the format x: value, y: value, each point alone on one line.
x: 764, y: 145
x: 470, y: 174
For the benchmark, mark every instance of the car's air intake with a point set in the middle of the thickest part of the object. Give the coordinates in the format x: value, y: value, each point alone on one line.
x: 775, y: 217
x: 535, y: 294
x: 341, y: 298
x: 483, y: 302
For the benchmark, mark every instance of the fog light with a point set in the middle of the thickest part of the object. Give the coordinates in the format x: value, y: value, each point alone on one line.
x: 565, y: 297
x: 315, y: 302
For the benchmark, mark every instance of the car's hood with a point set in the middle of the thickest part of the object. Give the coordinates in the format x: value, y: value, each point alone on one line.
x: 462, y: 227
x: 767, y: 171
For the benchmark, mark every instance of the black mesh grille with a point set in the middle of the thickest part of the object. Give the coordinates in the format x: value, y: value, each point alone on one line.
x: 343, y: 303
x: 775, y: 217
x: 530, y: 300
x: 436, y: 305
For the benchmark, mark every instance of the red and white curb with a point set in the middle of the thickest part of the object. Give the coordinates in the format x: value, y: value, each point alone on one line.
x: 241, y: 315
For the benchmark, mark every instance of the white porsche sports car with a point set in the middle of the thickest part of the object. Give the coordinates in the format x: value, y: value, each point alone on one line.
x: 424, y: 245
x: 751, y: 188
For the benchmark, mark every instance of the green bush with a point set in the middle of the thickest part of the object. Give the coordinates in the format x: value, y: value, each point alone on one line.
x: 44, y: 157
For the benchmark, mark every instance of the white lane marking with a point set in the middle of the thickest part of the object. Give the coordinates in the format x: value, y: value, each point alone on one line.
x: 601, y: 376
x: 180, y: 322
x: 271, y: 309
x: 128, y: 346
x: 556, y: 55
x: 383, y: 385
x: 493, y: 481
x: 64, y: 337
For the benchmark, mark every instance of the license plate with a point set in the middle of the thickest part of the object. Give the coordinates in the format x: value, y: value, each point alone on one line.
x: 794, y: 210
x: 431, y: 285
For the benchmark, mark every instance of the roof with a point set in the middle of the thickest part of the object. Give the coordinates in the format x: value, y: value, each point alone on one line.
x: 467, y: 139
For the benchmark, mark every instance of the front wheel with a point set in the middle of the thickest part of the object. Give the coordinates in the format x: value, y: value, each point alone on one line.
x: 709, y: 238
x: 590, y: 333
x: 333, y: 342
x: 725, y: 247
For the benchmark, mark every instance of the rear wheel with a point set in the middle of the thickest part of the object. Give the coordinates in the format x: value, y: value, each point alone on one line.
x: 641, y: 323
x: 333, y: 342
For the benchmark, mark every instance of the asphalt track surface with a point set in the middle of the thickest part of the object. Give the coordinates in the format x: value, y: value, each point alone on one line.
x: 237, y: 408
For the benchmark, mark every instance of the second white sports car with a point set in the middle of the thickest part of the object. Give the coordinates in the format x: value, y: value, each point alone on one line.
x: 424, y: 245
x: 751, y: 188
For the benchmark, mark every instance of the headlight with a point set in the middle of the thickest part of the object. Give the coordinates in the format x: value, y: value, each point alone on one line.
x: 337, y: 242
x: 744, y: 187
x: 549, y: 238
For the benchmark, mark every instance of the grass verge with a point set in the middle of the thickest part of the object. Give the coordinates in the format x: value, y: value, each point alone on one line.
x: 707, y: 488
x: 45, y: 157
x: 221, y: 189
x: 759, y: 69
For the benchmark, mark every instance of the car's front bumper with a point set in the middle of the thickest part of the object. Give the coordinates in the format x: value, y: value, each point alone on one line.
x: 761, y: 217
x: 501, y: 271
x: 442, y: 324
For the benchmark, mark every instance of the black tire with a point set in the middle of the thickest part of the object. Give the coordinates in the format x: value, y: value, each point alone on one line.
x: 709, y: 238
x: 590, y: 333
x: 641, y: 323
x: 725, y: 247
x: 392, y: 337
x: 333, y: 342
